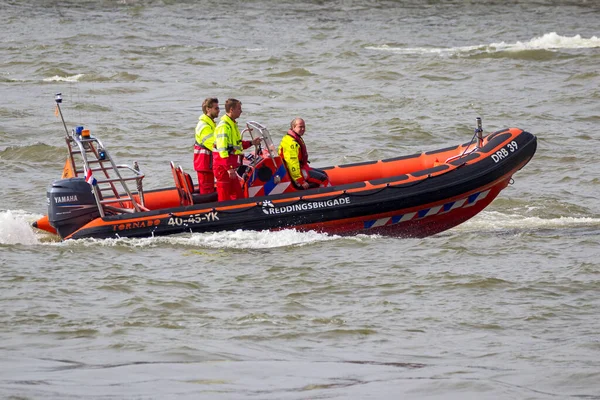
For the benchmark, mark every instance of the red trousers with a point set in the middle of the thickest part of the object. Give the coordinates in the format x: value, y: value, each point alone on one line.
x: 227, y: 188
x: 203, y: 166
x: 206, y: 181
x: 315, y: 177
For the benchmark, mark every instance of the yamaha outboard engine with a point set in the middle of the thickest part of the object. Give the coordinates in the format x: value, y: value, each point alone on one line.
x: 71, y: 204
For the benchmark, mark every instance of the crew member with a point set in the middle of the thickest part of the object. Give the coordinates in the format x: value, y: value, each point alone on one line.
x: 227, y: 152
x: 203, y: 160
x: 295, y: 156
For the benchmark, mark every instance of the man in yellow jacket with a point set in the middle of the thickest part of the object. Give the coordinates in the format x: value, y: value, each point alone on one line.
x: 228, y: 151
x: 295, y: 156
x: 203, y: 146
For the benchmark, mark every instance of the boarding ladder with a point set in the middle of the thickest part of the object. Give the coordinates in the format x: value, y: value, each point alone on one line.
x: 90, y: 159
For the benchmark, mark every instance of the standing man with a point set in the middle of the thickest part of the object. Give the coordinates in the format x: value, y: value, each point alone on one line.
x: 295, y: 157
x: 203, y: 160
x: 228, y: 149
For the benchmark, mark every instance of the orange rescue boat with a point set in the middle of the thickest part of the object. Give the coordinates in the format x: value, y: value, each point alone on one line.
x: 408, y: 196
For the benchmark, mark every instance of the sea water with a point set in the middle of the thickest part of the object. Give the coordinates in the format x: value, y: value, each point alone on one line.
x: 504, y: 306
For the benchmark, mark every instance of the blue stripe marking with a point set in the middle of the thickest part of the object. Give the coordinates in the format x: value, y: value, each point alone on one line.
x: 473, y: 197
x: 270, y: 185
x: 422, y: 213
x: 369, y: 224
x: 448, y: 206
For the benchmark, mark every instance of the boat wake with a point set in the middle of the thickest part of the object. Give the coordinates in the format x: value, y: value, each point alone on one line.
x: 496, y: 221
x: 15, y: 228
x: 240, y: 239
x: 549, y: 41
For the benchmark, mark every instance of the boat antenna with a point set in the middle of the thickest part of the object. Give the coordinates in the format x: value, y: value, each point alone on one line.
x: 478, y: 134
x: 479, y: 131
x: 58, y: 100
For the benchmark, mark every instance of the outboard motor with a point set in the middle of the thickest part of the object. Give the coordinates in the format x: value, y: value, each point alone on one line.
x: 71, y: 204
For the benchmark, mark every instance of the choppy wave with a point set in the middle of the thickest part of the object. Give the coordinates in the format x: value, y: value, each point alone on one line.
x: 36, y: 152
x: 118, y: 77
x: 548, y: 41
x: 57, y: 78
x: 294, y: 72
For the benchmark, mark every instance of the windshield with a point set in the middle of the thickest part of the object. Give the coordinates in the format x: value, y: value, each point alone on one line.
x: 258, y: 130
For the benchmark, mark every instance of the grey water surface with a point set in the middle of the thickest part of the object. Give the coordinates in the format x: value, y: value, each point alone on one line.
x: 505, y: 306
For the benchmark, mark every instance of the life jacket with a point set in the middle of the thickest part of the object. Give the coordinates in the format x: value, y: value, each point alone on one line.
x: 205, y: 132
x: 303, y: 154
x: 204, y: 143
x: 228, y: 139
x: 292, y: 151
x: 228, y: 145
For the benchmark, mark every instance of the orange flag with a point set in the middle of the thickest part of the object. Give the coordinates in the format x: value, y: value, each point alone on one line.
x: 68, y: 170
x: 56, y: 110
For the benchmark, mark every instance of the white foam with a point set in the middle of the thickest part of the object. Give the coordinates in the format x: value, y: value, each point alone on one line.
x: 239, y: 239
x: 15, y: 228
x: 259, y: 240
x: 56, y: 78
x: 493, y: 220
x: 549, y: 41
x: 424, y: 50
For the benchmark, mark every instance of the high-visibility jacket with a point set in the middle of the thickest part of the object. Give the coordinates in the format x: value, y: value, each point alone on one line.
x: 204, y: 144
x: 293, y: 152
x: 205, y: 132
x: 228, y: 143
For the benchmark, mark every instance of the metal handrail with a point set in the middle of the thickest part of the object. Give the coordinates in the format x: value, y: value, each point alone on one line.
x: 101, y: 156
